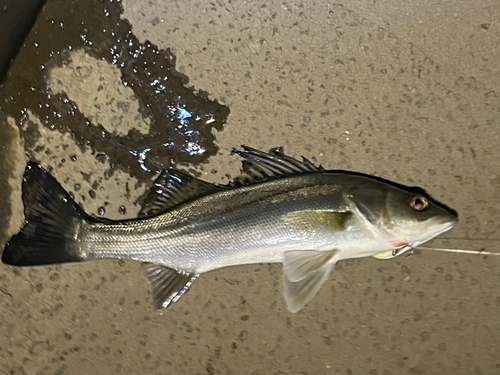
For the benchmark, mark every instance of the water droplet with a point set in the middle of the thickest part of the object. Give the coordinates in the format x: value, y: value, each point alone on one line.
x: 101, y: 211
x: 122, y: 210
x: 101, y: 157
x: 77, y: 187
x: 92, y: 194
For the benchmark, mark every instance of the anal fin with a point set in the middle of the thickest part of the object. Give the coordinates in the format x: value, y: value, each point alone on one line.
x: 168, y: 284
x: 304, y: 272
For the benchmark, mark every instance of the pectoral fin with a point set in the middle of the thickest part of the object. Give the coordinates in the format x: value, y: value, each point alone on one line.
x: 304, y: 274
x: 313, y: 220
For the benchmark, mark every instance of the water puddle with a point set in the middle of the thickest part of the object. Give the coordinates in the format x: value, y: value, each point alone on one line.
x: 181, y: 119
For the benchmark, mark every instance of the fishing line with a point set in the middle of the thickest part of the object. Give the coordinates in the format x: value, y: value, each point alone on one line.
x: 457, y: 250
x: 466, y: 239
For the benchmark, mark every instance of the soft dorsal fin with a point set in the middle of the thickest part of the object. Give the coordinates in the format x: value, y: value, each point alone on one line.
x: 172, y: 187
x: 259, y: 165
x: 168, y: 285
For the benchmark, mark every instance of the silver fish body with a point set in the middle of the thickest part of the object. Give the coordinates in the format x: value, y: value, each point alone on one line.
x: 248, y: 224
x: 281, y: 210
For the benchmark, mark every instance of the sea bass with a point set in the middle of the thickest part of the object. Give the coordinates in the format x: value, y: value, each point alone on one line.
x: 281, y: 210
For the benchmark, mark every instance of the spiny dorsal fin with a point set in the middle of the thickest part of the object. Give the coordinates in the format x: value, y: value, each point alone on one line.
x: 259, y: 165
x: 168, y: 285
x: 173, y: 187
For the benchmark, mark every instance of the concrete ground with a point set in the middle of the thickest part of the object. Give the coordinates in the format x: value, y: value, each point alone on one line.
x: 404, y: 90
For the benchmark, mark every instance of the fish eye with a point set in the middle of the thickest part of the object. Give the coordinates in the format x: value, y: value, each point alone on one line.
x: 419, y: 203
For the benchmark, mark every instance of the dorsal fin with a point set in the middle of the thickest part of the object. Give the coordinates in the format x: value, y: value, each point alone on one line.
x: 259, y: 165
x: 172, y: 187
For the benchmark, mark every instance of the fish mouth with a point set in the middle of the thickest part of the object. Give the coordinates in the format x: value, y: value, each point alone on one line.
x: 410, y: 246
x: 446, y: 227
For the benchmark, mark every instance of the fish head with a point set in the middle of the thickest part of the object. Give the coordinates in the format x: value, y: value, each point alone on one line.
x: 404, y: 217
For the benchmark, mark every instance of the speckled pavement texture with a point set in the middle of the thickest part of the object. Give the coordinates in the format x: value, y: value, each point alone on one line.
x: 405, y: 91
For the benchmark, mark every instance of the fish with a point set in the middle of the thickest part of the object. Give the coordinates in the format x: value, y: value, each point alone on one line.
x: 280, y: 210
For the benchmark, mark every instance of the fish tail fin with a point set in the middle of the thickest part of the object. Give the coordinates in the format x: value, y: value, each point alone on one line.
x: 52, y: 222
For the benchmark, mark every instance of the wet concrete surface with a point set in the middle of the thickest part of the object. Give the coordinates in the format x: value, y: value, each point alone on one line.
x: 178, y: 121
x: 408, y: 92
x: 17, y: 18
